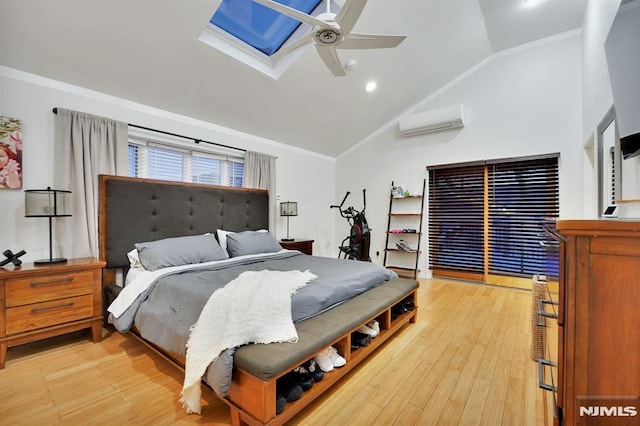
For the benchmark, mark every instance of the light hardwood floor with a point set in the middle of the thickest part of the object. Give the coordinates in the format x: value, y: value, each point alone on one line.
x: 466, y: 361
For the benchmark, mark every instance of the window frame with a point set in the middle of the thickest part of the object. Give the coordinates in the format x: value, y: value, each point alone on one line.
x: 145, y: 140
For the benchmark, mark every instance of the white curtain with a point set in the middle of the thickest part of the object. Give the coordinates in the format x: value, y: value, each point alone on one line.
x: 260, y: 173
x: 85, y: 146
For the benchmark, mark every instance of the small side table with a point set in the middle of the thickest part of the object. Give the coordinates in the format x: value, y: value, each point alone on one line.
x: 37, y: 302
x: 305, y: 246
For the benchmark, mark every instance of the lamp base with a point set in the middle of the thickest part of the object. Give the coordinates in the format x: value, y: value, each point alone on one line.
x: 50, y: 261
x: 287, y: 239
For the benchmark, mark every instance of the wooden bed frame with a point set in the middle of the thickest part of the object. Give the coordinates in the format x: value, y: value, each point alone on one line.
x: 133, y: 210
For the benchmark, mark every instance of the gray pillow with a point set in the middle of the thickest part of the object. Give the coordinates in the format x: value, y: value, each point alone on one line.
x: 251, y: 242
x: 179, y: 251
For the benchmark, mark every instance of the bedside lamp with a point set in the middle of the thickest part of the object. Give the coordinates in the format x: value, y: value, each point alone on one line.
x: 288, y: 209
x: 47, y: 203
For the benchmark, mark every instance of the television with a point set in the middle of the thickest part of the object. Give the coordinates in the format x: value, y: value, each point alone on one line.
x: 622, y: 49
x: 630, y: 146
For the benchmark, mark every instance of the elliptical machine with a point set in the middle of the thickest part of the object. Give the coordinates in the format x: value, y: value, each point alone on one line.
x: 359, y: 235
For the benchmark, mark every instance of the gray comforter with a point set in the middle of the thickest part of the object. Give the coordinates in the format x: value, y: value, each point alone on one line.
x: 164, y: 313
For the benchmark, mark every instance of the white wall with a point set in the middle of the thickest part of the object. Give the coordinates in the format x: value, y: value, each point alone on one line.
x: 597, y: 97
x: 521, y: 102
x: 302, y: 176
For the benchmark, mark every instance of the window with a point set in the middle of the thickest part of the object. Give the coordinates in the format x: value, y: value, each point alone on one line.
x: 262, y: 28
x: 486, y: 218
x: 252, y: 33
x: 163, y: 161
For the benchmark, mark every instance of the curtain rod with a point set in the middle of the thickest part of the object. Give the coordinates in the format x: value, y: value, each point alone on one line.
x: 197, y: 141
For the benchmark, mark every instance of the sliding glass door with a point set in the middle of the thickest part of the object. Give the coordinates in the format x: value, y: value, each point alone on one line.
x: 485, y: 219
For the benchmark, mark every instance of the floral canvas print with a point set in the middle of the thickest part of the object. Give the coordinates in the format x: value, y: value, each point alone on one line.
x: 10, y: 153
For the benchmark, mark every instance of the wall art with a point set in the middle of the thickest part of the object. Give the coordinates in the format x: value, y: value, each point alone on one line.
x: 10, y: 153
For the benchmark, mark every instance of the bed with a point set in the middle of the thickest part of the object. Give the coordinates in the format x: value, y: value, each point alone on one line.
x: 335, y: 300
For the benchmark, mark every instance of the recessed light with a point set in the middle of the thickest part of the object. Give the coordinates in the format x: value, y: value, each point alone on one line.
x: 371, y: 86
x: 532, y: 3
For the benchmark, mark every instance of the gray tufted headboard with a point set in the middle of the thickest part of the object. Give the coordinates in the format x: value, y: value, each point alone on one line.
x: 133, y: 210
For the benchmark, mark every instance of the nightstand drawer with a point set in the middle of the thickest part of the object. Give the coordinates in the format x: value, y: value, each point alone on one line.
x: 22, y: 291
x: 39, y: 315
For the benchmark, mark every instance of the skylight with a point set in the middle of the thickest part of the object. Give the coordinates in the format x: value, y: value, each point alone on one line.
x: 252, y: 33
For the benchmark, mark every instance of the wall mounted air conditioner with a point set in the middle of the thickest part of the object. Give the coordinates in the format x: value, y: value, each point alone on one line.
x: 432, y: 121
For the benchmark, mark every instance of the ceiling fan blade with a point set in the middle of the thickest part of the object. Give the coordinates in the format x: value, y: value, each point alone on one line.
x: 349, y: 13
x: 285, y: 50
x: 292, y: 13
x: 332, y: 61
x: 370, y: 41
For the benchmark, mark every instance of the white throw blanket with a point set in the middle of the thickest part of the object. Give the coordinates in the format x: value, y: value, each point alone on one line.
x: 253, y: 308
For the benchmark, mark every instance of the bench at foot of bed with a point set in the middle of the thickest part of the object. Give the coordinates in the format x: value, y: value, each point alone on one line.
x: 252, y: 396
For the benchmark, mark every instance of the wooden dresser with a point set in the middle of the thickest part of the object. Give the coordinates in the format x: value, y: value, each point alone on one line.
x: 37, y: 302
x: 599, y: 322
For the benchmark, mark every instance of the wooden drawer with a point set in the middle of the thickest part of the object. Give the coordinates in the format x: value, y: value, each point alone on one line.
x: 34, y: 289
x: 39, y: 315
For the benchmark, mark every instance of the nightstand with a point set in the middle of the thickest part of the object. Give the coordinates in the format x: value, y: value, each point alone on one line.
x: 37, y: 302
x: 305, y: 246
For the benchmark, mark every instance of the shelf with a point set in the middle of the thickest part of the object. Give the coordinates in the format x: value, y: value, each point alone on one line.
x: 394, y: 250
x: 403, y: 233
x: 398, y: 221
x: 403, y: 272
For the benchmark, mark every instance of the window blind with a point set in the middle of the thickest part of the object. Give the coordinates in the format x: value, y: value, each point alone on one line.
x: 456, y: 219
x: 614, y: 172
x: 166, y: 162
x: 487, y: 217
x: 521, y: 195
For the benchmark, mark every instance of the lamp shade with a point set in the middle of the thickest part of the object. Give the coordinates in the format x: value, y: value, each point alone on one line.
x: 289, y: 208
x: 47, y: 203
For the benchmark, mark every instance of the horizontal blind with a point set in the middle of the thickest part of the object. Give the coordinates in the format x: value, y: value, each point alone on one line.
x: 156, y: 161
x: 456, y: 219
x: 522, y: 195
x: 236, y: 173
x: 206, y: 170
x: 165, y: 163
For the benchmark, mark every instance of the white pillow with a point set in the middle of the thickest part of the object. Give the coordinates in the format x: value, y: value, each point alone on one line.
x: 222, y: 238
x: 134, y: 259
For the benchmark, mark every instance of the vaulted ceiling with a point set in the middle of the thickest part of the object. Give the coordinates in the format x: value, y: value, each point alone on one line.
x: 148, y: 52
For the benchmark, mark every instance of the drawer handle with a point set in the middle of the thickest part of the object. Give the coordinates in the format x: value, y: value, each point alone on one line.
x: 541, y: 363
x: 64, y: 305
x: 62, y: 280
x: 541, y: 303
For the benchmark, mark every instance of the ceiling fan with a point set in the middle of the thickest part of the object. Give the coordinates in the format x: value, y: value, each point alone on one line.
x: 331, y: 31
